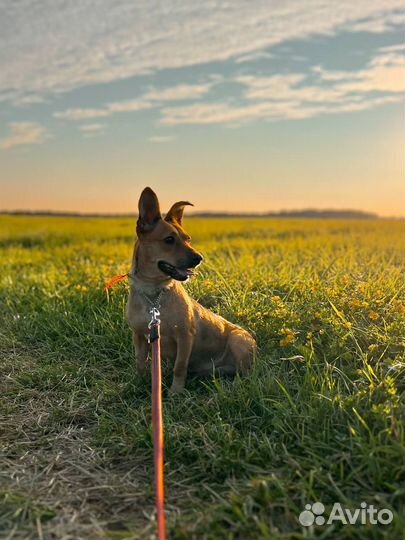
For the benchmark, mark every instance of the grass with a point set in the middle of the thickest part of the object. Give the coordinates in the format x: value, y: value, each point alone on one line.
x: 321, y: 418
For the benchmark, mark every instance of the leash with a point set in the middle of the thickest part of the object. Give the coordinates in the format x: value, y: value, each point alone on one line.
x: 116, y: 279
x: 157, y: 413
x: 157, y: 420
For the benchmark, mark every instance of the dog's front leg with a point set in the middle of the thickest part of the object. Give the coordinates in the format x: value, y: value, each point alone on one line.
x: 184, y: 347
x: 141, y: 350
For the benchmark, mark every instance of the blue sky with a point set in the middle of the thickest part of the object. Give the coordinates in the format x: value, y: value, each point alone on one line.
x: 235, y: 106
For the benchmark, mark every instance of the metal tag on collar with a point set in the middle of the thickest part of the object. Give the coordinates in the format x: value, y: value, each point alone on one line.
x: 154, y: 325
x: 155, y: 313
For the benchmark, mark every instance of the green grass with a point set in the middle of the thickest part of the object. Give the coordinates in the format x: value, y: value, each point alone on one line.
x: 320, y: 418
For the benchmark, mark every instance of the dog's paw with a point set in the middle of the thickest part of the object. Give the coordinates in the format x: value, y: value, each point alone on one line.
x: 176, y: 388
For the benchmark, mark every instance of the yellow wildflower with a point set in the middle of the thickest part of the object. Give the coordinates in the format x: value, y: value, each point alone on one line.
x: 81, y: 288
x: 289, y: 337
x: 355, y: 303
x: 399, y: 308
x: 362, y: 287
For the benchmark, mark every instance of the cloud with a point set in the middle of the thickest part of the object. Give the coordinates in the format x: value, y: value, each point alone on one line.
x: 223, y: 113
x: 23, y: 133
x: 270, y: 87
x: 296, y: 95
x: 132, y: 105
x: 394, y: 48
x: 92, y: 130
x: 61, y: 46
x: 385, y: 73
x: 150, y: 99
x: 252, y: 57
x: 111, y: 108
x: 378, y: 25
x: 28, y: 99
x: 178, y: 93
x: 81, y: 114
x: 161, y: 138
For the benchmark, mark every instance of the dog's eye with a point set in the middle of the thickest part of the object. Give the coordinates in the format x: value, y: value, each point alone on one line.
x: 169, y: 240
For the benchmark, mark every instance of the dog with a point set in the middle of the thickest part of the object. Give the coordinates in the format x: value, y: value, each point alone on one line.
x: 196, y: 339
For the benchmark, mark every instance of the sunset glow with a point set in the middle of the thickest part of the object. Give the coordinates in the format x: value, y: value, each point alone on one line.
x: 255, y: 106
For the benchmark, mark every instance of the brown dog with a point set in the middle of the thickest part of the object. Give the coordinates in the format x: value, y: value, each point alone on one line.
x: 197, y: 339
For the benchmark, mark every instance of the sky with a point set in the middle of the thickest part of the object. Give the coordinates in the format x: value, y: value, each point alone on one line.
x: 236, y: 106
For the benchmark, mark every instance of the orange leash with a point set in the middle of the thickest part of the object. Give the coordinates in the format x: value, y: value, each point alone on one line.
x: 114, y: 280
x: 157, y: 414
x: 157, y: 420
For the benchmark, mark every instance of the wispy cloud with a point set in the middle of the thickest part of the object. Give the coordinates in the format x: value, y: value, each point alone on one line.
x: 378, y: 25
x: 132, y: 105
x: 295, y: 95
x: 92, y: 130
x: 65, y: 45
x: 29, y: 99
x: 252, y: 57
x: 385, y: 73
x: 178, y: 93
x: 23, y: 133
x: 275, y: 87
x: 161, y: 139
x: 81, y: 114
x: 152, y: 98
x: 224, y: 113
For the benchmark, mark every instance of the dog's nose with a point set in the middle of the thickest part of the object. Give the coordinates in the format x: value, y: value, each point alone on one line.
x: 196, y: 259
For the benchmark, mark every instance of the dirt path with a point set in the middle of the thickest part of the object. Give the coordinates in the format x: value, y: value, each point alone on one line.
x: 54, y: 482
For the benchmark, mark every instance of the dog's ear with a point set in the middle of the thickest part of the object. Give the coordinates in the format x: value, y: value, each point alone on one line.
x: 176, y: 211
x: 149, y: 211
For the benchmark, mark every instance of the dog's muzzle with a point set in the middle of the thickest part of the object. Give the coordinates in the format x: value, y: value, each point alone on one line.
x: 181, y: 273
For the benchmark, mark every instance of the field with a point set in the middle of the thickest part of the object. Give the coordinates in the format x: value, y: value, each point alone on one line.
x: 321, y: 418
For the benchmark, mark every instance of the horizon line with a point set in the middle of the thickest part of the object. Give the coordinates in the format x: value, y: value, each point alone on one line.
x: 302, y: 212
